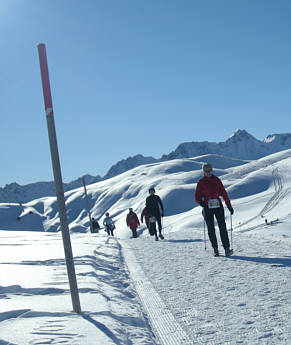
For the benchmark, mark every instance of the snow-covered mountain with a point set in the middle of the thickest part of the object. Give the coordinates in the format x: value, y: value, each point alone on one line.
x: 14, y: 192
x: 127, y: 164
x: 241, y: 145
x: 175, y: 182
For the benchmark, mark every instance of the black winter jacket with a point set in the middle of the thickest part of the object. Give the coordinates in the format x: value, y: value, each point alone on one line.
x: 153, y: 205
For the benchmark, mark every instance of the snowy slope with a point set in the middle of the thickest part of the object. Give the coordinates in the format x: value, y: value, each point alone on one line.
x: 138, y: 291
x: 241, y: 146
x: 116, y: 195
x: 175, y: 182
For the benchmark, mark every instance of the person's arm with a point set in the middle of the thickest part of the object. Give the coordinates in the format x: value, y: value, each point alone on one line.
x: 198, y: 196
x: 224, y: 194
x: 226, y: 198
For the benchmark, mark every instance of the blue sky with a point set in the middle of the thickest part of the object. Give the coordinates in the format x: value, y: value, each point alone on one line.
x: 138, y: 76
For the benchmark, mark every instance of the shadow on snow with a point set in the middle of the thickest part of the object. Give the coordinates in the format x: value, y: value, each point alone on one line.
x: 276, y: 262
x: 184, y: 241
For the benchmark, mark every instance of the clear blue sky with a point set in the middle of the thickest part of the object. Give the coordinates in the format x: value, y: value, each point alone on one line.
x: 138, y: 76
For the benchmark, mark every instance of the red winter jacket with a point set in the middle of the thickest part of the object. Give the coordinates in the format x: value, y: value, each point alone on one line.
x: 211, y: 188
x: 145, y: 215
x: 132, y: 220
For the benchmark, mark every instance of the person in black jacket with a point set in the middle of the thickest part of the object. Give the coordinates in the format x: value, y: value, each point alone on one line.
x: 155, y: 209
x: 95, y: 225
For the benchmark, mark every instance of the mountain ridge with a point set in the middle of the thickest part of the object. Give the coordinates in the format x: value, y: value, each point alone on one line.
x: 240, y: 145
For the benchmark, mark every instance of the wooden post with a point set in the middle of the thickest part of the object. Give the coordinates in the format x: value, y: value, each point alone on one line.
x: 58, y: 177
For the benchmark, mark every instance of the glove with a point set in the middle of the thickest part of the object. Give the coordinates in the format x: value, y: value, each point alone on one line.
x: 230, y: 210
x: 202, y: 203
x: 162, y: 214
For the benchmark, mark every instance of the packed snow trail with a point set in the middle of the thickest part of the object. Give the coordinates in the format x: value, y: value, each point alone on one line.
x: 242, y: 299
x: 168, y: 331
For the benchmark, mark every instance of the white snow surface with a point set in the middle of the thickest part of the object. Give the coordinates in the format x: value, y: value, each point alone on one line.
x: 139, y: 291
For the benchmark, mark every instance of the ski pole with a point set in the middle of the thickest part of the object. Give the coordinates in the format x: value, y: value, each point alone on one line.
x: 204, y: 234
x: 231, y: 232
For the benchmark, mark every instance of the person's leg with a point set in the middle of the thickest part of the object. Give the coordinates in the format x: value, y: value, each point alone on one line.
x: 155, y: 231
x: 134, y: 233
x: 159, y: 221
x: 209, y: 219
x: 219, y: 214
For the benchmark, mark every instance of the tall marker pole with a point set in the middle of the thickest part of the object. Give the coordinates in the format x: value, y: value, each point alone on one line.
x: 58, y: 176
x: 87, y: 203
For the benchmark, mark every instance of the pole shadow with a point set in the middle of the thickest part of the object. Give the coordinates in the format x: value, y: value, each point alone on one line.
x: 276, y: 262
x: 184, y: 241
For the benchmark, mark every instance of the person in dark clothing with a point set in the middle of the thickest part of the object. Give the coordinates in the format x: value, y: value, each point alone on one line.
x: 95, y: 225
x: 207, y: 194
x: 132, y: 222
x: 155, y: 210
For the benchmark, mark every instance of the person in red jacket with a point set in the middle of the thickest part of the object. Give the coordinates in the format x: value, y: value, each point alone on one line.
x: 207, y: 194
x: 132, y: 222
x: 145, y: 216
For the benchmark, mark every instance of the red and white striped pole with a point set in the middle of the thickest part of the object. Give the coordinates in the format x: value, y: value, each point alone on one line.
x: 58, y: 177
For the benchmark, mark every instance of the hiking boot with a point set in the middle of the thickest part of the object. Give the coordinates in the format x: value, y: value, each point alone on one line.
x: 228, y: 252
x: 216, y: 252
x: 157, y: 238
x: 161, y: 236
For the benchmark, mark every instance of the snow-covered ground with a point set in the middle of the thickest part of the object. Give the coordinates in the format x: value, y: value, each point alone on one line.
x: 139, y: 291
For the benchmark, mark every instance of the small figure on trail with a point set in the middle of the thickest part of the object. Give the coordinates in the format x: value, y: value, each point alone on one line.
x: 109, y: 224
x: 95, y: 226
x: 155, y: 210
x: 209, y: 189
x: 145, y: 216
x: 132, y: 222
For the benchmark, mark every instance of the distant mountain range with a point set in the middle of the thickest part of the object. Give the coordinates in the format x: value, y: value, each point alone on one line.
x: 241, y: 145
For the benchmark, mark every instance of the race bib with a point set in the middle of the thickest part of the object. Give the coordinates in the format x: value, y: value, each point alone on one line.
x: 213, y: 203
x: 152, y: 219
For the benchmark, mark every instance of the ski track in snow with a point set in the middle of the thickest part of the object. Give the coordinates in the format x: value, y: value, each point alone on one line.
x: 279, y: 194
x: 217, y: 301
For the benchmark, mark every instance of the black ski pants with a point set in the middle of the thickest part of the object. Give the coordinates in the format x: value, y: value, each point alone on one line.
x: 159, y: 221
x: 109, y: 231
x: 209, y: 214
x: 134, y: 232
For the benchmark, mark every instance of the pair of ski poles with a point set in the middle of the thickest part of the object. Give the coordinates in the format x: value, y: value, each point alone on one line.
x: 204, y: 232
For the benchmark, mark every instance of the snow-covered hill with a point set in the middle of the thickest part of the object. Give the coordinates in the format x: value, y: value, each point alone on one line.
x: 175, y: 182
x: 241, y: 145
